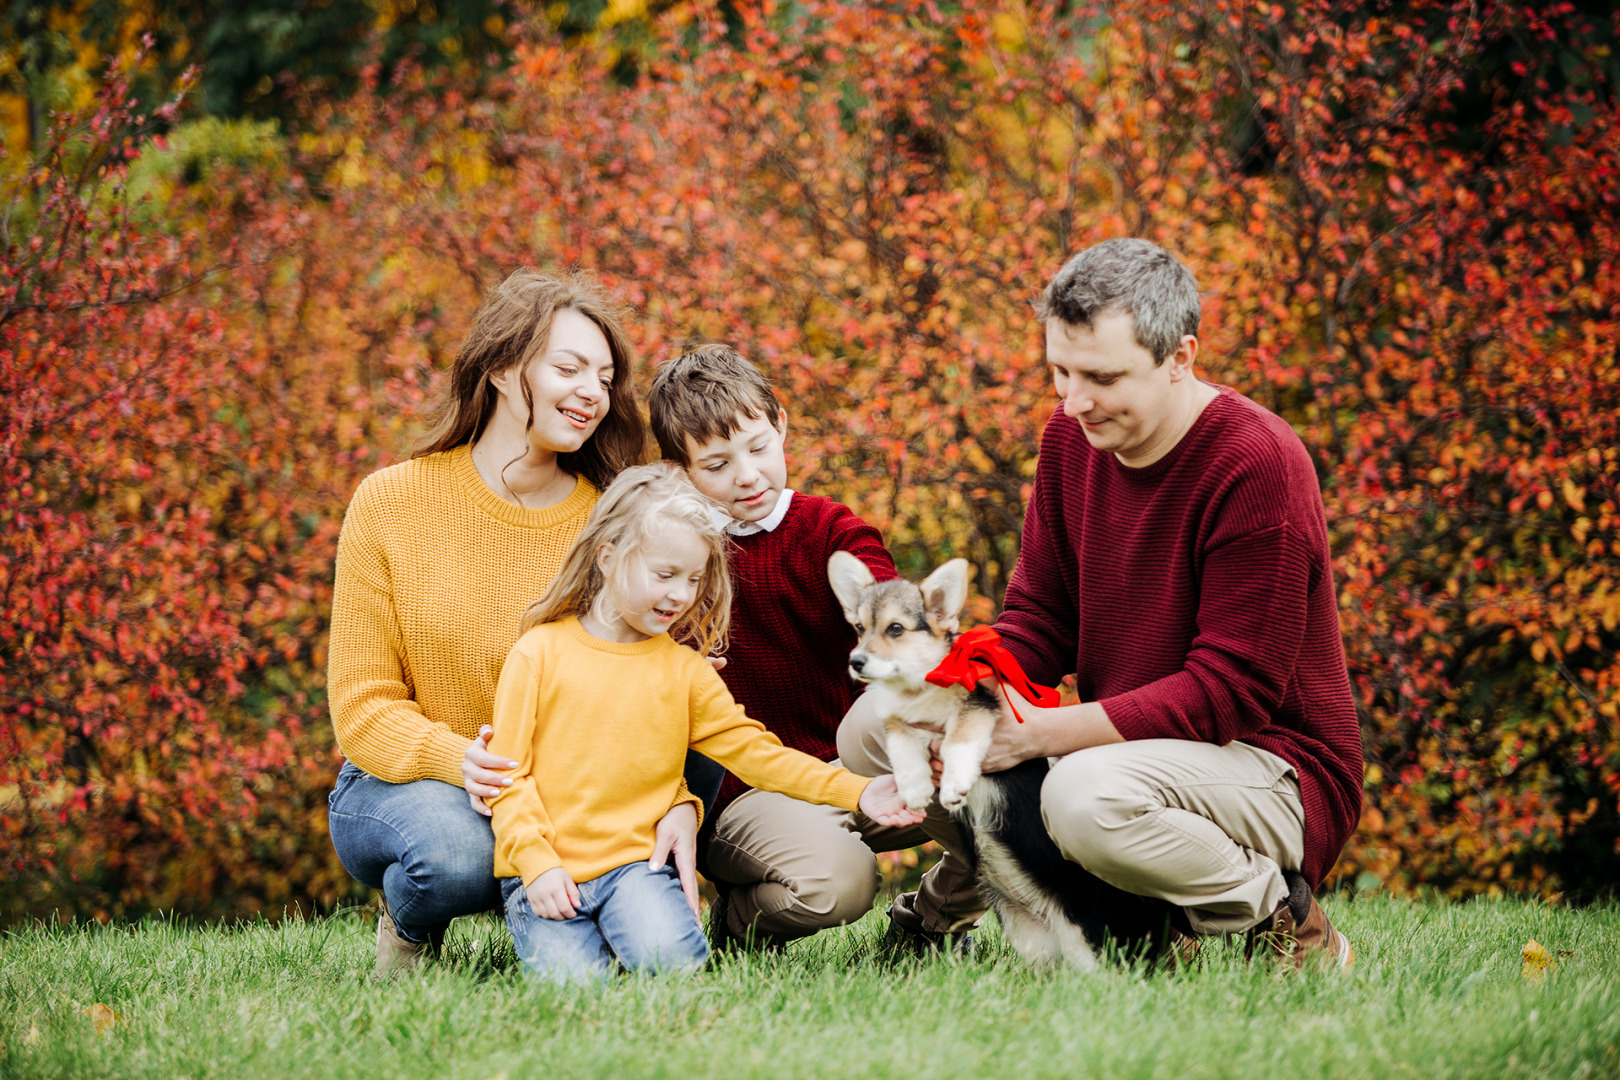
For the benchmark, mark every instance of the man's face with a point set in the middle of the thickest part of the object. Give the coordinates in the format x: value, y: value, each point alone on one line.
x: 1125, y: 403
x: 746, y: 473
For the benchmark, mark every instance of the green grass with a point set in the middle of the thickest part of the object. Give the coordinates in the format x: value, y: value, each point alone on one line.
x: 1437, y: 992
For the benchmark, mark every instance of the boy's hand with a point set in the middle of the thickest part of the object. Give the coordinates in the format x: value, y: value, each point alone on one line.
x: 677, y: 835
x: 881, y: 802
x: 478, y: 773
x: 553, y: 895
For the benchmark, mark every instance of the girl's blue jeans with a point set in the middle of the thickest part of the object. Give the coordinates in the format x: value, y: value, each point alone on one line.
x: 631, y: 916
x: 427, y: 849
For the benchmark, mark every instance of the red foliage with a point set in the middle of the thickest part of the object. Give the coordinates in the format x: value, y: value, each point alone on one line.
x: 158, y: 609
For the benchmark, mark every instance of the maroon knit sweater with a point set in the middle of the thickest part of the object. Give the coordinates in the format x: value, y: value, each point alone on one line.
x: 788, y: 661
x: 1194, y: 599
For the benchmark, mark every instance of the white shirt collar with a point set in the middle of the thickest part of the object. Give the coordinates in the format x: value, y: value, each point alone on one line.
x: 766, y: 524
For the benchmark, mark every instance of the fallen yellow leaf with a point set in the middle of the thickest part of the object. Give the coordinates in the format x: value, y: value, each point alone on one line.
x: 1537, y: 960
x: 102, y: 1016
x: 33, y: 1035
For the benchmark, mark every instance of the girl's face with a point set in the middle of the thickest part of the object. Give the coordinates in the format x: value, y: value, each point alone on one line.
x: 569, y: 383
x: 653, y: 587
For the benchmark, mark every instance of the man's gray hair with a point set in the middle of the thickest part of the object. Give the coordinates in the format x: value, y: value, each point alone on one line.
x: 1137, y: 277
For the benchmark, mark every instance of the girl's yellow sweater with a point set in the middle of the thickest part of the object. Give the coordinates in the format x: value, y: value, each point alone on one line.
x: 600, y: 731
x: 434, y: 571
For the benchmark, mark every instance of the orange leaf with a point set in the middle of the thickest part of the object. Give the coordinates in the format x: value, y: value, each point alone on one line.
x: 1537, y: 960
x: 101, y: 1016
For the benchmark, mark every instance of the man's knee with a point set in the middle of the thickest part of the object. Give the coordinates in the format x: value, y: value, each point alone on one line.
x: 837, y: 890
x: 861, y: 747
x: 1087, y: 804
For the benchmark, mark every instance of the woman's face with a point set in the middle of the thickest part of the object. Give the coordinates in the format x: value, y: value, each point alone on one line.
x: 569, y: 383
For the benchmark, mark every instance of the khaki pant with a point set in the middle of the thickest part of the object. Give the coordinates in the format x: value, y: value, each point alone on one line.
x: 1208, y: 828
x: 800, y: 868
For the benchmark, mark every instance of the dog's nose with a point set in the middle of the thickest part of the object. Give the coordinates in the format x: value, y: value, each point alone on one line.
x: 857, y: 662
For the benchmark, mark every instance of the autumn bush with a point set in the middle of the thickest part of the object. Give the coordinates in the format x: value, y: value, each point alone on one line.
x: 1407, y: 253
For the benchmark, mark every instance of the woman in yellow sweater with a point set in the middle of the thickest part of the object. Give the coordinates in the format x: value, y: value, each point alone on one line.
x: 437, y: 558
x: 598, y: 704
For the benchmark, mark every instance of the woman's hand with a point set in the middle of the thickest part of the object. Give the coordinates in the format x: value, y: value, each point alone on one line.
x: 553, y: 895
x: 478, y: 773
x: 677, y: 835
x: 881, y: 802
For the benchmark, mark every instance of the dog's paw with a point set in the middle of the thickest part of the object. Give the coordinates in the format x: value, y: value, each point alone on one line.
x: 952, y: 797
x: 916, y: 797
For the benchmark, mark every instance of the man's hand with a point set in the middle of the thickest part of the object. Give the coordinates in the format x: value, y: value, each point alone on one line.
x: 478, y: 773
x: 553, y: 895
x: 882, y: 803
x: 677, y: 835
x: 1012, y: 742
x: 1044, y: 732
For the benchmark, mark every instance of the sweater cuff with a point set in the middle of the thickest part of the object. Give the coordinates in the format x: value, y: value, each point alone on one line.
x: 1129, y: 719
x: 533, y: 860
x: 685, y: 795
x: 442, y: 756
x: 847, y: 789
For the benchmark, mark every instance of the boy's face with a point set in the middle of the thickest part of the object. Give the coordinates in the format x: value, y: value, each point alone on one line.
x: 746, y: 473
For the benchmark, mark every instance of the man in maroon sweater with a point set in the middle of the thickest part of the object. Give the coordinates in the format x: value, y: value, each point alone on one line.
x: 1175, y: 559
x: 784, y: 868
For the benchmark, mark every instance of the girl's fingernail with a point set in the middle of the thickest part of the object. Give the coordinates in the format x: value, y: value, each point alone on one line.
x: 506, y: 782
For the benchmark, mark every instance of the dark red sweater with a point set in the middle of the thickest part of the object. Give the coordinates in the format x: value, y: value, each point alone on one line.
x: 1194, y: 599
x: 788, y: 661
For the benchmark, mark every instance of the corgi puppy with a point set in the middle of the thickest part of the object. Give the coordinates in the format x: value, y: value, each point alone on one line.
x: 1051, y: 910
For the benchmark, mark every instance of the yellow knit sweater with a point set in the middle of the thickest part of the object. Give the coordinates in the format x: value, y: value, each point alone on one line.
x: 434, y: 571
x: 600, y: 730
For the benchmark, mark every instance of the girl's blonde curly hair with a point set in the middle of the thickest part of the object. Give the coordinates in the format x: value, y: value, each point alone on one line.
x: 629, y: 517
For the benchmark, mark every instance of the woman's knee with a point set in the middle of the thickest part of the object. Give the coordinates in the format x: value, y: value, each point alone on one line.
x: 422, y: 843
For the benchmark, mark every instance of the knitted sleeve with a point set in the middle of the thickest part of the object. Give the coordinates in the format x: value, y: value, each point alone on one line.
x: 378, y: 723
x: 525, y: 838
x: 849, y: 533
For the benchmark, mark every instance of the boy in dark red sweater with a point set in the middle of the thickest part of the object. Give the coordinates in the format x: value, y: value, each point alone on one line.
x: 1175, y: 559
x: 784, y: 868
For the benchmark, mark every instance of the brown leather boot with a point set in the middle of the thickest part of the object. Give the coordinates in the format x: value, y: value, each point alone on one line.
x: 398, y: 955
x: 1298, y: 932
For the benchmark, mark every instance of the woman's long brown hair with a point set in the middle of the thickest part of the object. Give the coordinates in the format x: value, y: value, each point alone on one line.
x: 511, y: 328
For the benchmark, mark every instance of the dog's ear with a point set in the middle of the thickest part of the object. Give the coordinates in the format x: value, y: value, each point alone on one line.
x: 849, y: 577
x: 944, y: 592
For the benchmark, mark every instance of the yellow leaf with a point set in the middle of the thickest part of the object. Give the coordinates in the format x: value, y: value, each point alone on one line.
x: 1537, y: 960
x: 102, y: 1016
x: 33, y: 1035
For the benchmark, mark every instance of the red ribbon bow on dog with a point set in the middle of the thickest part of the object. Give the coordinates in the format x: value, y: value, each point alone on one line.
x: 979, y: 654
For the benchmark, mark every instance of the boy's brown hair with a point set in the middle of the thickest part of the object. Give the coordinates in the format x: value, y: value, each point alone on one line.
x: 701, y: 394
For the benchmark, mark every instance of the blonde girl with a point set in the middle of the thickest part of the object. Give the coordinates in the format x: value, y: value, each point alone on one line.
x: 598, y: 702
x: 437, y: 557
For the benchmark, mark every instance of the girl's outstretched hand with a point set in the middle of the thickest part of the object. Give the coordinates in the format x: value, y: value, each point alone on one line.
x: 553, y: 895
x: 677, y: 835
x: 478, y: 771
x: 881, y: 802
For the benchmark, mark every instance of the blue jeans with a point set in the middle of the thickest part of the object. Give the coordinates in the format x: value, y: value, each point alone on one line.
x: 422, y: 844
x: 428, y: 850
x: 630, y: 914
